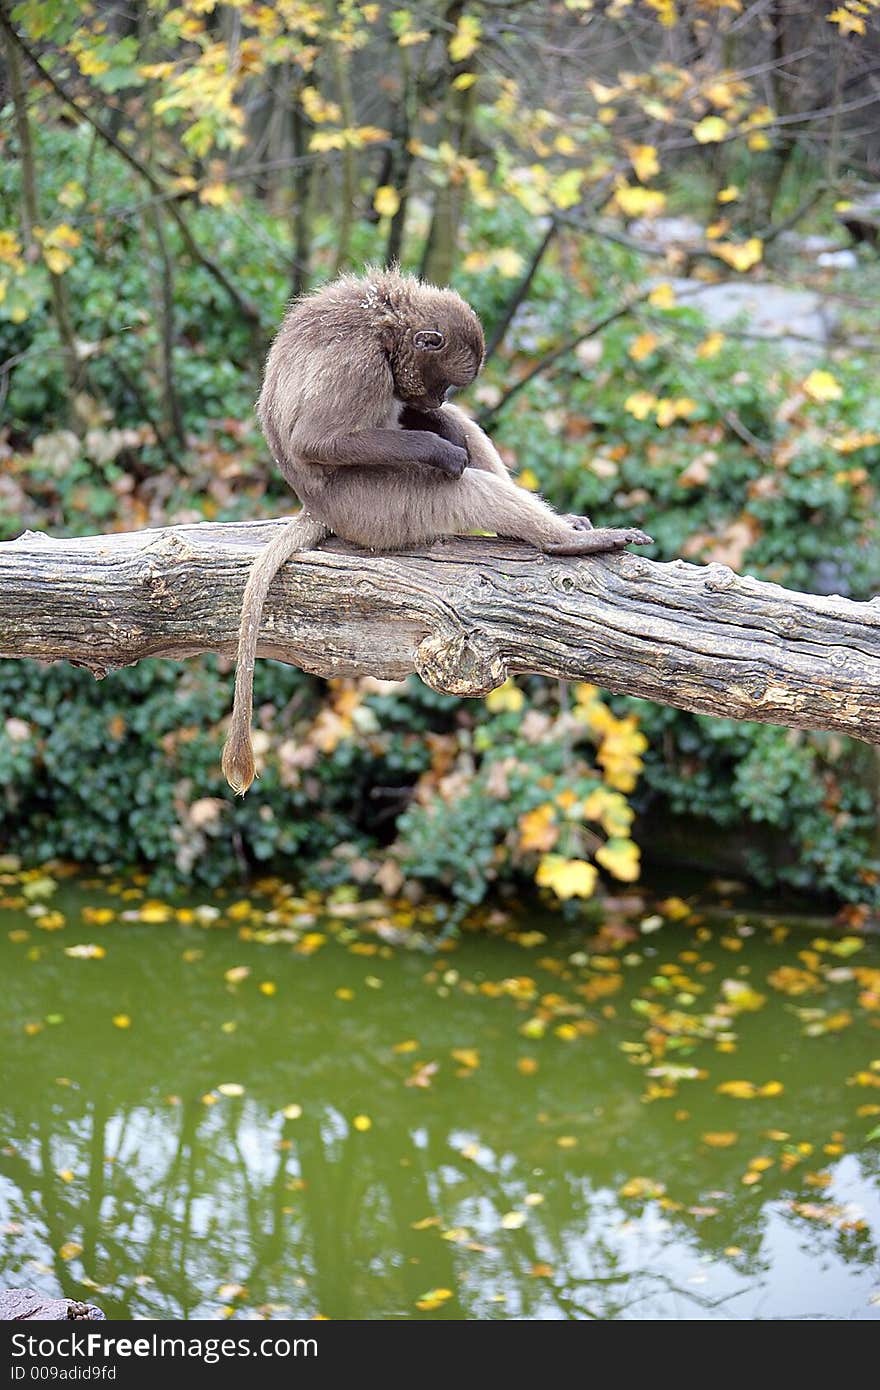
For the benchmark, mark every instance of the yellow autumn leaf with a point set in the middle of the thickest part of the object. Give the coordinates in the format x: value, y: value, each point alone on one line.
x: 507, y: 262
x: 568, y: 878
x: 465, y: 39
x: 710, y: 346
x: 642, y: 1187
x: 611, y: 809
x: 121, y: 1021
x: 292, y: 1112
x: 236, y: 973
x: 464, y: 81
x: 662, y: 297
x: 57, y: 260
x: 268, y: 987
x: 847, y: 22
x: 644, y: 161
x: 434, y: 1298
x: 728, y: 194
x: 739, y: 255
x: 232, y: 1089
x: 710, y: 130
x: 513, y: 1220
x: 821, y: 387
x: 641, y: 404
x: 529, y: 479
x: 506, y: 698
x: 362, y: 1123
x: 468, y: 1057
x: 758, y: 141
x: 852, y: 440
x: 740, y: 1090
x: 154, y: 912
x: 538, y: 829
x: 90, y: 65
x: 216, y: 194
x: 720, y: 1139
x: 565, y: 191
x: 635, y: 201
x: 69, y: 1250
x: 642, y: 346
x: 674, y: 408
x: 620, y: 858
x: 386, y: 200
x: 66, y: 1174
x: 666, y: 12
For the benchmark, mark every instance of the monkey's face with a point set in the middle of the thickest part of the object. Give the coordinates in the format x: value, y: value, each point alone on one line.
x: 440, y: 350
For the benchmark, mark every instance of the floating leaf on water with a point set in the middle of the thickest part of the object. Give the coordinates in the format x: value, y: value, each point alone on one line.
x: 642, y: 1187
x: 236, y: 973
x: 362, y: 1123
x: 469, y: 1057
x: 231, y: 1088
x: 227, y: 1291
x: 69, y: 1250
x: 434, y: 1298
x: 121, y: 1021
x: 512, y: 1220
x: 292, y: 1112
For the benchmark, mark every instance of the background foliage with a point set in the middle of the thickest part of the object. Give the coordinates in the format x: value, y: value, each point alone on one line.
x: 170, y: 174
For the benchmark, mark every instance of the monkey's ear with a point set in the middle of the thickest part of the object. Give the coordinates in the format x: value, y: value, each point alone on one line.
x: 429, y: 340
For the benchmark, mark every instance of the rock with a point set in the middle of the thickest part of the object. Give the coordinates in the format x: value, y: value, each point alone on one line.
x: 862, y: 219
x: 660, y: 232
x: 807, y: 245
x: 838, y: 260
x: 25, y: 1305
x: 770, y: 311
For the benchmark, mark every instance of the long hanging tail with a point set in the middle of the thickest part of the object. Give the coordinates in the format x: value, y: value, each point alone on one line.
x: 302, y: 533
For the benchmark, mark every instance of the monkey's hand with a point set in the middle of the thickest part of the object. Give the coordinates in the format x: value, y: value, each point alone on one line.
x: 440, y: 422
x: 448, y: 459
x: 597, y: 542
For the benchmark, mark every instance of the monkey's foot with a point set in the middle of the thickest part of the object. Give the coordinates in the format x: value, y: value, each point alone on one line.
x: 599, y: 541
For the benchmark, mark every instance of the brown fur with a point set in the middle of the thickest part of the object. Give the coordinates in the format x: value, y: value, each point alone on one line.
x: 353, y: 409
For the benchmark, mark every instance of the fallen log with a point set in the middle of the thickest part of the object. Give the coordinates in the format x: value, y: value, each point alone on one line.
x: 462, y: 613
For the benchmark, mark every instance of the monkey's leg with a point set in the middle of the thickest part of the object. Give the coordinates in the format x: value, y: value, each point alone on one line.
x: 485, y: 502
x: 572, y: 535
x: 303, y: 532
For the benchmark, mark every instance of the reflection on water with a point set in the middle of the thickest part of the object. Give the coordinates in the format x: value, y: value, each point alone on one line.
x: 152, y: 1167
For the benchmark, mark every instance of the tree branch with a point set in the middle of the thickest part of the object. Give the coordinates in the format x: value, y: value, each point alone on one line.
x: 462, y: 613
x: 244, y: 305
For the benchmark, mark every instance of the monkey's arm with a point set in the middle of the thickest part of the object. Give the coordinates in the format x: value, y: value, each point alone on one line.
x: 445, y: 422
x: 399, y: 448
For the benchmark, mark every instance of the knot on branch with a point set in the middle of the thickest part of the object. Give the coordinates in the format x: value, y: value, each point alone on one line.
x: 458, y: 663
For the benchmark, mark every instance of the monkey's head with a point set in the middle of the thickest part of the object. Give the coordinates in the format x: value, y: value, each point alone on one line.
x: 433, y: 338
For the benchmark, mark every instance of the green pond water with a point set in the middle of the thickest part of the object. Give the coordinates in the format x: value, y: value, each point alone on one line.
x: 527, y: 1125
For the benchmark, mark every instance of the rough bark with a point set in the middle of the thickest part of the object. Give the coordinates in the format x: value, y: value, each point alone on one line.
x: 462, y: 613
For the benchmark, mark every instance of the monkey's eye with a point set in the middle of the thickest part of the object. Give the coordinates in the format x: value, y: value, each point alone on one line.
x: 429, y: 340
